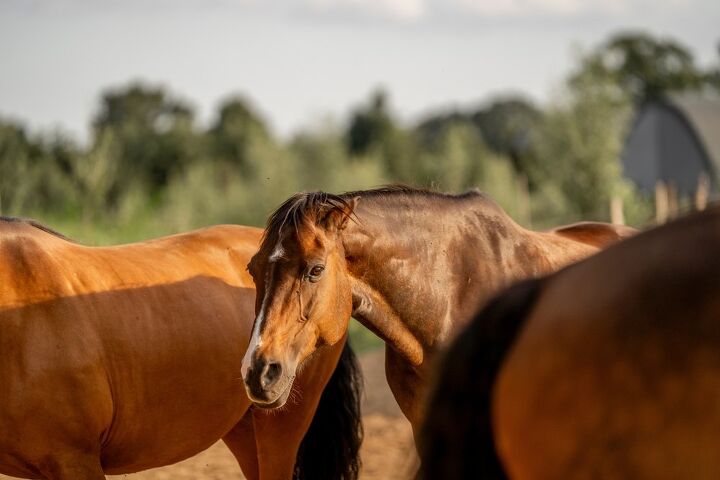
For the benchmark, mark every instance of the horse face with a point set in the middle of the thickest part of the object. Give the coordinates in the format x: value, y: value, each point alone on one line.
x: 303, y: 301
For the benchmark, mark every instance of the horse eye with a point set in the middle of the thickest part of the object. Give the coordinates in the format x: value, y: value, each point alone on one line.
x: 315, y: 273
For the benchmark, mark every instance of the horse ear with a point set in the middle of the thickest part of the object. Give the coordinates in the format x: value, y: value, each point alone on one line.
x: 337, y: 218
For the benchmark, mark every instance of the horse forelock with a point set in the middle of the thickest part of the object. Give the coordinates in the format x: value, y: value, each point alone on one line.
x: 306, y: 208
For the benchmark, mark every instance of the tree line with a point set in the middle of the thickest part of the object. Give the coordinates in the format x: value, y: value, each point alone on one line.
x: 150, y: 168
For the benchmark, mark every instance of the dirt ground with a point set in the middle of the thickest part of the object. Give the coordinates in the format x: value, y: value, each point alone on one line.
x: 387, y: 453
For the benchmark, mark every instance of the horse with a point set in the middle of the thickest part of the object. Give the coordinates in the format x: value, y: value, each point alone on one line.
x: 124, y: 358
x: 411, y: 265
x: 609, y: 368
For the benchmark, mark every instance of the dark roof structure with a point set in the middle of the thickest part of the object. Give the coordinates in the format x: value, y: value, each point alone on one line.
x: 675, y: 140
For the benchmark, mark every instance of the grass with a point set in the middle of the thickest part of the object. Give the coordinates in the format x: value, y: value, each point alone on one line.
x: 362, y: 339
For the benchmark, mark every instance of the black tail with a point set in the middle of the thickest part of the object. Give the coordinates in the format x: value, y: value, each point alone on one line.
x: 457, y: 440
x: 331, y: 447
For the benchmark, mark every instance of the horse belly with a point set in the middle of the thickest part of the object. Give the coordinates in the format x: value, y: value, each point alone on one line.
x: 176, y: 404
x: 188, y: 424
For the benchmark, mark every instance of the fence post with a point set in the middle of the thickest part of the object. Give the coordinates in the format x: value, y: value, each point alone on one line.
x: 661, y: 202
x: 703, y: 191
x: 523, y: 198
x: 617, y: 215
x: 673, y: 208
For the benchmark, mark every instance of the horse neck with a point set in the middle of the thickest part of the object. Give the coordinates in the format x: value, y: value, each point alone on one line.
x: 418, y: 274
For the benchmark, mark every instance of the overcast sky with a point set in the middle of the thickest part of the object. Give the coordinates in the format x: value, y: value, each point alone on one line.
x: 301, y: 60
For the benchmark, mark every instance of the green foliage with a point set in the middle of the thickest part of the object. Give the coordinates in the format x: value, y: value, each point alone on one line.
x: 150, y: 169
x: 370, y: 126
x: 361, y: 338
x: 580, y: 141
x: 452, y: 158
x: 232, y: 134
x: 33, y: 172
x: 507, y: 126
x: 647, y: 67
x: 154, y: 132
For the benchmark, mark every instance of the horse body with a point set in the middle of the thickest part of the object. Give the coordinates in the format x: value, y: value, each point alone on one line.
x: 120, y: 359
x: 616, y: 371
x: 417, y: 291
x: 84, y: 349
x: 416, y: 266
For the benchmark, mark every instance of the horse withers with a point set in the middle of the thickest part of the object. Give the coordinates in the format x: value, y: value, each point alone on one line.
x: 411, y: 265
x: 119, y: 359
x: 609, y: 368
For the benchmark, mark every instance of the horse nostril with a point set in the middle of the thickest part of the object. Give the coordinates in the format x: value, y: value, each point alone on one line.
x: 270, y: 374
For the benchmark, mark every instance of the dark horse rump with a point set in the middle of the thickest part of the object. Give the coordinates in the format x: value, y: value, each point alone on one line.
x: 609, y: 368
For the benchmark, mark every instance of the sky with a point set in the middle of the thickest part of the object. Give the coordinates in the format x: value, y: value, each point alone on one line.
x: 301, y: 62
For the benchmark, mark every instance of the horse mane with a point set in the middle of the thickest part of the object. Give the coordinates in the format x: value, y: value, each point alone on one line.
x: 310, y: 207
x: 35, y: 224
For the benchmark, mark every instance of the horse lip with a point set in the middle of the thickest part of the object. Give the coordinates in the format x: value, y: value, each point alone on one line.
x: 279, y: 401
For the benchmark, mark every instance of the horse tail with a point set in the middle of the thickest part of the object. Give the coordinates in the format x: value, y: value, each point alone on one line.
x: 457, y: 438
x: 330, y: 449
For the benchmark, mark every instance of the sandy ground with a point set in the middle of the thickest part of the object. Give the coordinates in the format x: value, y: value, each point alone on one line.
x: 388, y: 452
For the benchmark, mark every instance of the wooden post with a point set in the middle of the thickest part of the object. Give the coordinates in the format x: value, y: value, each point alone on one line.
x: 523, y: 198
x: 673, y: 208
x: 703, y: 191
x: 661, y: 202
x: 617, y: 215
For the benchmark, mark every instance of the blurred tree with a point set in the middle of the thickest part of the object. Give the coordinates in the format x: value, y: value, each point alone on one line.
x: 32, y: 171
x: 234, y: 130
x: 646, y: 67
x: 17, y: 157
x: 370, y: 126
x: 97, y: 175
x: 154, y: 132
x: 507, y: 125
x: 450, y: 155
x: 322, y: 157
x: 578, y: 146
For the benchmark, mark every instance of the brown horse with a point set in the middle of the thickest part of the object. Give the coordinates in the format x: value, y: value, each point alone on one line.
x: 411, y: 265
x: 120, y: 359
x: 607, y: 369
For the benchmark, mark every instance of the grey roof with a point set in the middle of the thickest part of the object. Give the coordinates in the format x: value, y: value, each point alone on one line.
x: 676, y: 140
x: 703, y: 114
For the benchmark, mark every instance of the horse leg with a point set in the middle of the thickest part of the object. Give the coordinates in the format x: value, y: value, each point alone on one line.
x: 407, y: 386
x: 279, y: 433
x: 72, y: 467
x: 241, y: 442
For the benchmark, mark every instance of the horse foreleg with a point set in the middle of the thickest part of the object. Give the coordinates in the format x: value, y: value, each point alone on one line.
x: 241, y: 442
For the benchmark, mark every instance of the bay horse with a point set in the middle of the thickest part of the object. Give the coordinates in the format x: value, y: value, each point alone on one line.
x: 411, y: 265
x: 120, y: 359
x: 609, y: 368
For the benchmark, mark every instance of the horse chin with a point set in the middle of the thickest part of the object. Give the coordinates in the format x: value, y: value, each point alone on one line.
x: 279, y: 401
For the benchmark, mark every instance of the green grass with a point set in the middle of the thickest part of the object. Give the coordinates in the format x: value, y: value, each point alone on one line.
x: 362, y: 339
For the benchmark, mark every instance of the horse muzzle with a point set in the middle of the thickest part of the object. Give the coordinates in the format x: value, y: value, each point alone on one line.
x: 267, y: 383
